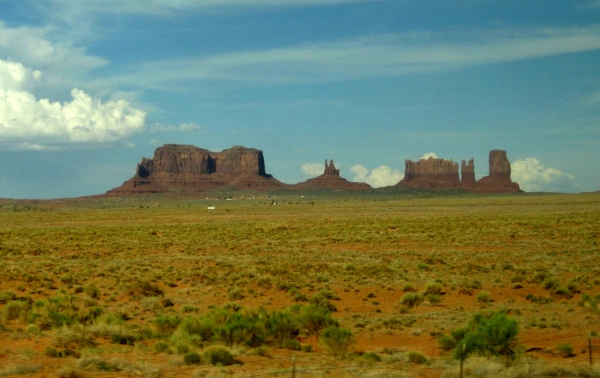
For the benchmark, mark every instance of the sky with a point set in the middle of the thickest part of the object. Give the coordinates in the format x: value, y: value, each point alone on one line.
x: 88, y: 88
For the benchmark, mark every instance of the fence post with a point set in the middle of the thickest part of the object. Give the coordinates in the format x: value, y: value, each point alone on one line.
x: 293, y: 366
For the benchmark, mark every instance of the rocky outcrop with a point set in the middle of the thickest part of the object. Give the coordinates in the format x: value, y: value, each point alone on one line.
x: 467, y: 175
x: 498, y: 180
x: 187, y: 168
x: 330, y: 180
x: 430, y: 173
x: 443, y: 174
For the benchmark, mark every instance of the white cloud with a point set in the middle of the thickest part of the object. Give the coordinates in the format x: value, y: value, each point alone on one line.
x: 15, y: 76
x: 313, y: 169
x: 428, y: 155
x: 532, y: 176
x: 32, y: 47
x: 369, y: 56
x: 378, y: 177
x: 183, y: 128
x: 28, y: 123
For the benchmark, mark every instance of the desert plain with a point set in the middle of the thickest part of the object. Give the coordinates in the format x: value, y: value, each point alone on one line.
x: 146, y: 285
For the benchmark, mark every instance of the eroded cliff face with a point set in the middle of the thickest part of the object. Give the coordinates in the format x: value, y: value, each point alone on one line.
x: 499, y: 179
x: 443, y: 174
x: 183, y: 167
x: 330, y: 180
x: 430, y: 173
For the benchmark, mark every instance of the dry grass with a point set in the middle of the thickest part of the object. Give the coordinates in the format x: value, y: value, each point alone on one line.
x: 104, y: 275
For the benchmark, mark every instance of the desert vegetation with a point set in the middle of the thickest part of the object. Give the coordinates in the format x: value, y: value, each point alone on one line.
x: 326, y: 284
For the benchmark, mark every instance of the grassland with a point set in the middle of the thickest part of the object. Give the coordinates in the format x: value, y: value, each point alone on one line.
x: 103, y: 286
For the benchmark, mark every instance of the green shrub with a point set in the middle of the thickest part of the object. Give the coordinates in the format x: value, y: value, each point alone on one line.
x: 415, y: 358
x: 166, y: 324
x: 313, y: 319
x: 218, y: 355
x: 189, y: 308
x: 15, y: 310
x: 371, y: 357
x: 161, y: 347
x: 337, y: 340
x: 92, y: 291
x: 409, y: 288
x: 291, y: 344
x: 192, y: 358
x: 145, y: 289
x: 433, y: 298
x: 433, y: 288
x: 565, y: 350
x: 411, y: 300
x: 484, y: 297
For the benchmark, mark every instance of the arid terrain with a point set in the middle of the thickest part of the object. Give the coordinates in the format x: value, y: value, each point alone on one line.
x: 133, y: 286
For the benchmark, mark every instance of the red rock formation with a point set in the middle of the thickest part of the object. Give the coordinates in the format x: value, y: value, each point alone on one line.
x: 467, y: 173
x: 187, y: 168
x: 430, y: 173
x: 330, y: 180
x: 499, y: 179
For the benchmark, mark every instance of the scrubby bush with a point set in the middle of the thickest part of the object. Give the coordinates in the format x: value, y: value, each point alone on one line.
x: 411, y: 300
x: 218, y: 355
x: 192, y: 358
x: 565, y: 350
x: 415, y: 358
x: 337, y: 340
x: 484, y: 297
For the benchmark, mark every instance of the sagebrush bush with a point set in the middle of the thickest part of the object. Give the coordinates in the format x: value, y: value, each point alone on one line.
x: 217, y: 355
x: 411, y: 300
x: 337, y: 340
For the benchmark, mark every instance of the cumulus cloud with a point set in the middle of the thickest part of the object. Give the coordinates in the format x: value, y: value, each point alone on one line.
x: 313, y: 169
x: 532, y: 176
x: 15, y: 76
x: 428, y: 155
x: 378, y: 177
x: 28, y: 123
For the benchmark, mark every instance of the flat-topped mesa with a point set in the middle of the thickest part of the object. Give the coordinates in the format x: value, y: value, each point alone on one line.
x: 330, y: 180
x: 431, y: 173
x: 183, y: 167
x: 499, y: 179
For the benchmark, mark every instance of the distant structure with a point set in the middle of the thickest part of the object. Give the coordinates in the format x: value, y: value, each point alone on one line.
x: 177, y: 167
x: 330, y: 180
x: 436, y: 173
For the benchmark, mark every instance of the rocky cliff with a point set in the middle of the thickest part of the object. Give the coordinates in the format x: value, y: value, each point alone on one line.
x: 183, y: 167
x: 443, y: 174
x: 330, y: 180
x: 498, y: 180
x: 430, y: 173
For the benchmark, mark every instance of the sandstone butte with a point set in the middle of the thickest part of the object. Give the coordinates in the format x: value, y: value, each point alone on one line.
x: 330, y: 179
x: 433, y: 173
x: 185, y: 168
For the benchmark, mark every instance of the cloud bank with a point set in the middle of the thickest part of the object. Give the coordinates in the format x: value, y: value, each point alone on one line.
x: 378, y: 177
x: 313, y: 169
x: 532, y: 176
x: 28, y: 123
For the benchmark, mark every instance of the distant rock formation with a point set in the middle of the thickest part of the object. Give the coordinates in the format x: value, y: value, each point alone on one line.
x: 467, y: 173
x: 499, y: 179
x: 435, y: 173
x: 330, y: 180
x: 183, y: 167
x: 430, y: 173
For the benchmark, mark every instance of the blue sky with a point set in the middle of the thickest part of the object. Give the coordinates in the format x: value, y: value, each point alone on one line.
x: 88, y: 88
